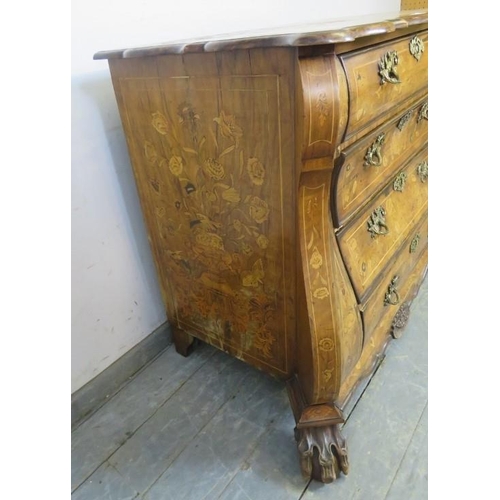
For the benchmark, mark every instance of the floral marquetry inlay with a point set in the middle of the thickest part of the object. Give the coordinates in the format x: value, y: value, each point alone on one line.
x: 323, y: 107
x: 214, y: 213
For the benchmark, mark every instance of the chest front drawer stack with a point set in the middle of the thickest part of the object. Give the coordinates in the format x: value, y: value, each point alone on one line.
x: 379, y: 202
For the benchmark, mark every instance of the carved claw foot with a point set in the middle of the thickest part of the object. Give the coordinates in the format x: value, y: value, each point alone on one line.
x: 323, y: 452
x: 322, y: 449
x: 184, y: 343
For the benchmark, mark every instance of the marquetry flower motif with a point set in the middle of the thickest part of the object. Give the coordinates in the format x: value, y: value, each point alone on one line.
x: 323, y: 107
x: 155, y: 184
x: 246, y: 249
x: 209, y: 240
x: 160, y: 123
x: 321, y: 293
x: 254, y: 277
x: 185, y: 112
x: 227, y: 259
x: 231, y: 195
x: 150, y: 152
x: 237, y: 260
x: 327, y: 375
x: 211, y: 196
x: 160, y: 211
x: 258, y: 209
x: 228, y: 127
x: 312, y: 205
x: 256, y: 171
x: 215, y: 169
x: 326, y: 344
x: 175, y: 165
x: 316, y: 260
x: 263, y: 341
x: 416, y: 47
x: 262, y: 241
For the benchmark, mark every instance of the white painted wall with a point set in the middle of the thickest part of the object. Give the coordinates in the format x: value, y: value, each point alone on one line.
x: 115, y: 295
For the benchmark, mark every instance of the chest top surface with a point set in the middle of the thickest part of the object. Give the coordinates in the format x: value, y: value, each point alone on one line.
x: 297, y: 35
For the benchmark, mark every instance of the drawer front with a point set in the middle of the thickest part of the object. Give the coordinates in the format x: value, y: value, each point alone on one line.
x: 369, y: 243
x: 391, y: 292
x: 368, y: 164
x: 383, y: 76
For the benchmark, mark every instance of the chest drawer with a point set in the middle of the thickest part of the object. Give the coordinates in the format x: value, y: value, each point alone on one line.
x: 383, y: 76
x: 370, y: 241
x: 398, y: 280
x: 368, y: 164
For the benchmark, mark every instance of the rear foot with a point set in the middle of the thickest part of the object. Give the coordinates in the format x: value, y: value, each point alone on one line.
x: 184, y: 343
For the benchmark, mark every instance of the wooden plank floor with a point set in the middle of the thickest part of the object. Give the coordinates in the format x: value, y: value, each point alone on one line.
x: 211, y: 427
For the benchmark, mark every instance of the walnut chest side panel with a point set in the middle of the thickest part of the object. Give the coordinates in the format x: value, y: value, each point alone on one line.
x: 210, y: 137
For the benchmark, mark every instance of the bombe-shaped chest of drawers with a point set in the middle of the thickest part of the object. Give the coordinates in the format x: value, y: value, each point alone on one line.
x: 283, y: 182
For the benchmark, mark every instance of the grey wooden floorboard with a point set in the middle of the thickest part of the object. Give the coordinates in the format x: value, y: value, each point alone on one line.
x: 99, y: 436
x: 94, y: 394
x: 383, y: 423
x: 105, y: 484
x: 411, y: 480
x: 272, y: 471
x: 211, y: 460
x: 158, y: 442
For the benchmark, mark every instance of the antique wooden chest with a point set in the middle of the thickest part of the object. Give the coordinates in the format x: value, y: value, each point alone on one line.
x: 283, y: 181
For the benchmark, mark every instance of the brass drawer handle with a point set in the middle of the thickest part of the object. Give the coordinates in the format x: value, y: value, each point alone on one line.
x: 399, y: 182
x: 377, y: 224
x: 387, y: 68
x: 392, y: 296
x: 414, y: 243
x: 416, y: 47
x: 373, y: 154
x: 404, y: 120
x: 423, y: 113
x: 423, y: 171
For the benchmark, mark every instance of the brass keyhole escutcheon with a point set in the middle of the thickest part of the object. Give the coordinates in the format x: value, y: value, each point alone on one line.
x: 416, y: 47
x: 423, y: 171
x: 399, y: 182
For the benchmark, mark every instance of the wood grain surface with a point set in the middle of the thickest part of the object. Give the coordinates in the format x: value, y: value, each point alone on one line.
x: 282, y: 188
x: 217, y: 193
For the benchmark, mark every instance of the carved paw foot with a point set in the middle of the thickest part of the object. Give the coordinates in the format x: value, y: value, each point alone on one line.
x: 323, y: 452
